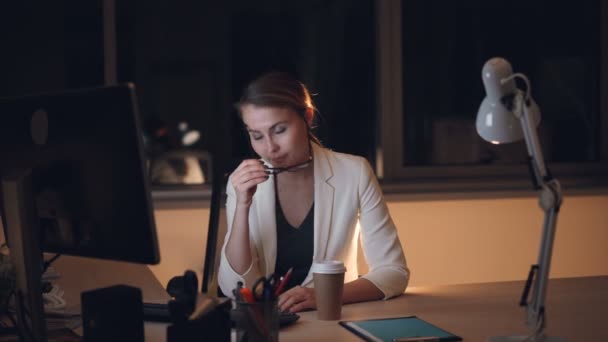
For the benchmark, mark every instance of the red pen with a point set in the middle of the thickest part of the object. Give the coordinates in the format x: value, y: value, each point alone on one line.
x: 284, y: 281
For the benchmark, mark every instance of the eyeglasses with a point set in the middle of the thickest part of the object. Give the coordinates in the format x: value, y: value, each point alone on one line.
x: 276, y: 170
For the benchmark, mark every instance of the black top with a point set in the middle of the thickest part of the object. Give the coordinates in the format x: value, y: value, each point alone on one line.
x: 294, y: 246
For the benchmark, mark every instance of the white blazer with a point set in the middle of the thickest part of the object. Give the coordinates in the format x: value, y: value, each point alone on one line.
x: 345, y: 191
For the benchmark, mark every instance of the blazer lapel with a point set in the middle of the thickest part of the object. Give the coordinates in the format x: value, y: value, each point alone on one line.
x: 324, y: 202
x: 267, y: 228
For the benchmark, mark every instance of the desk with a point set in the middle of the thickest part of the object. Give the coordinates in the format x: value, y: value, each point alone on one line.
x: 577, y: 310
x: 82, y: 274
x: 577, y: 307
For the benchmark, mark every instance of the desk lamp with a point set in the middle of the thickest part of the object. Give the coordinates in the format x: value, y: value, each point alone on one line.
x: 507, y: 114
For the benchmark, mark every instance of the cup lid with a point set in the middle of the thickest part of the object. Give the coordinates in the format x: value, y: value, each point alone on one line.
x: 328, y: 266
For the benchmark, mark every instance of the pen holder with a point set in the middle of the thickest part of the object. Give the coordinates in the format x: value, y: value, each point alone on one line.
x: 257, y: 321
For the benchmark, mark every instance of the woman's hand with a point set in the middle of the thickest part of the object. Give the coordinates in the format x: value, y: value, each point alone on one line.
x: 245, y: 179
x: 297, y: 299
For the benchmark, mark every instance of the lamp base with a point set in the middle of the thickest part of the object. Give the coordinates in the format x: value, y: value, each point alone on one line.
x: 526, y: 339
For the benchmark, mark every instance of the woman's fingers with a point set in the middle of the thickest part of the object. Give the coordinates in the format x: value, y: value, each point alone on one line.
x: 249, y: 167
x: 297, y: 299
x: 247, y: 163
x: 249, y: 179
x: 246, y: 177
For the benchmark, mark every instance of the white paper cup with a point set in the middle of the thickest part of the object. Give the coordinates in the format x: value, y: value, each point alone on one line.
x: 328, y: 277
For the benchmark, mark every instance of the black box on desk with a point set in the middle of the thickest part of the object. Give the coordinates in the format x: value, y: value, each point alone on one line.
x: 112, y: 313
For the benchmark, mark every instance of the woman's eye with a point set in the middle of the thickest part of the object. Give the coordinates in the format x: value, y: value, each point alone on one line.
x: 280, y: 130
x: 256, y: 136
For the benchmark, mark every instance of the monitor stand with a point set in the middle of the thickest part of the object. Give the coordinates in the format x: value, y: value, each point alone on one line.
x: 23, y: 237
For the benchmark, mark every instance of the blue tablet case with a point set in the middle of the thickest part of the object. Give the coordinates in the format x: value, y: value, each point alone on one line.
x: 387, y: 329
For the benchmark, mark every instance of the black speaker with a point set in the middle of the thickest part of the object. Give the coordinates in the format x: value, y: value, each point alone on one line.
x: 112, y: 313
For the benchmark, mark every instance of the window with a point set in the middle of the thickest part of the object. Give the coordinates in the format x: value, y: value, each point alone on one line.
x: 430, y: 60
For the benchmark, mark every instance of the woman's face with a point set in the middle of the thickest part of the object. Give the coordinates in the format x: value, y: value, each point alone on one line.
x: 278, y: 135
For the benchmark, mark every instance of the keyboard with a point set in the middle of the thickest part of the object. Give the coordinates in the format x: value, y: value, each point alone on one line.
x: 159, y: 312
x: 286, y: 318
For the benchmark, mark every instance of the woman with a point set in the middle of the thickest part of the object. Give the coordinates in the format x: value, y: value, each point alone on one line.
x: 301, y: 202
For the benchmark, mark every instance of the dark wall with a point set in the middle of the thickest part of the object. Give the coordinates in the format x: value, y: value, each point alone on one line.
x: 191, y: 59
x: 32, y: 57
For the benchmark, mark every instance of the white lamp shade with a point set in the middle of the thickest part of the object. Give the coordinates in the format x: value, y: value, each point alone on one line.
x: 495, y: 122
x: 498, y: 125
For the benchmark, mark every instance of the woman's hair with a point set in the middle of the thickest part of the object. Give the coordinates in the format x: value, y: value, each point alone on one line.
x: 280, y: 89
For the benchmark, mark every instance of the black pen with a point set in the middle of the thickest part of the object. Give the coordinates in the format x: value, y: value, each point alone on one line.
x: 237, y: 291
x: 417, y: 339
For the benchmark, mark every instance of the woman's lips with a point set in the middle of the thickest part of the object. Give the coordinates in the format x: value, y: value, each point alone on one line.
x: 276, y: 162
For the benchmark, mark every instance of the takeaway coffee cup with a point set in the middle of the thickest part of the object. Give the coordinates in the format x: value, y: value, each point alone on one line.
x: 328, y: 277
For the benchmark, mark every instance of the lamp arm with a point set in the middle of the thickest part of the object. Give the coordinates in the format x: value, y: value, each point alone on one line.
x: 529, y: 128
x: 550, y: 199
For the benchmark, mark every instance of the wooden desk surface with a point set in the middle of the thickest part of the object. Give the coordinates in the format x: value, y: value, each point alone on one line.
x: 82, y: 274
x: 577, y: 308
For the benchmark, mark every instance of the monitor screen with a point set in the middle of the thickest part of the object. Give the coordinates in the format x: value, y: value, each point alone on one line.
x: 89, y: 185
x: 72, y: 181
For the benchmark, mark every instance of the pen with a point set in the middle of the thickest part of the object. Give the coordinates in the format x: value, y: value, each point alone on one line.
x: 237, y: 291
x: 268, y: 295
x: 283, y: 282
x: 417, y: 339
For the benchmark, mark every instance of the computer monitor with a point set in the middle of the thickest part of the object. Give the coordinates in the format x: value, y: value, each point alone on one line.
x: 74, y: 182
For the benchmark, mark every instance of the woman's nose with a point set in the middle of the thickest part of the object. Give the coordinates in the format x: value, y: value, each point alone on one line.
x: 271, y: 145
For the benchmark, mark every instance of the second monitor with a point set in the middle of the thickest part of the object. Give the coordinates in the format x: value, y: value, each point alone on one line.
x: 74, y: 182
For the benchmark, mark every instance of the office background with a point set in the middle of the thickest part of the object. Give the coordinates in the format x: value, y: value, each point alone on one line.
x: 461, y: 217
